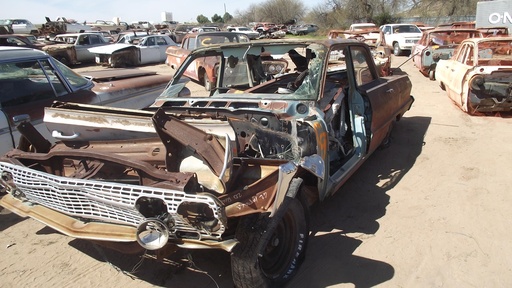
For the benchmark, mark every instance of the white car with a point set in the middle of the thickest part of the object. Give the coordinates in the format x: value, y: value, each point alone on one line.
x: 20, y: 26
x: 149, y: 49
x: 478, y: 76
x: 401, y: 37
x: 249, y: 32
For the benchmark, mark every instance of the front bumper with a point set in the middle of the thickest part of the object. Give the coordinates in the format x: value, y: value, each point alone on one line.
x: 90, y: 209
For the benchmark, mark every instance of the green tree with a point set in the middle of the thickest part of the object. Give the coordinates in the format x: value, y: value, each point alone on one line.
x: 227, y: 17
x: 201, y: 19
x: 281, y: 11
x: 217, y: 19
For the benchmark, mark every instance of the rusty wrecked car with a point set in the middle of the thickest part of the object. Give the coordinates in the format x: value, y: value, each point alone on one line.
x: 205, y: 69
x: 72, y: 48
x: 374, y: 38
x: 478, y: 77
x: 235, y: 168
x: 438, y: 44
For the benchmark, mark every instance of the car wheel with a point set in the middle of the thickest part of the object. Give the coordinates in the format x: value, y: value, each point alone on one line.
x: 470, y: 108
x: 386, y: 142
x: 396, y: 49
x: 208, y: 85
x: 64, y: 60
x: 432, y: 75
x: 283, y: 247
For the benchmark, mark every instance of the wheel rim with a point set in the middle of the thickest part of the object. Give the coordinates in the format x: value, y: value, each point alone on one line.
x: 280, y: 248
x: 431, y: 75
x: 207, y: 83
x: 470, y: 108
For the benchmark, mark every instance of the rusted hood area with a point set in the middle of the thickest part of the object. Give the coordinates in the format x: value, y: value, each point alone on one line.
x: 109, y: 49
x: 57, y: 47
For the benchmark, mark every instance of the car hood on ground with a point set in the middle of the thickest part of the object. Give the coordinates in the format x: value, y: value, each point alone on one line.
x: 109, y: 49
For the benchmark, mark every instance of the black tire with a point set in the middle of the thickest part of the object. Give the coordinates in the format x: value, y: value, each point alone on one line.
x: 386, y: 142
x: 64, y: 60
x: 396, y: 49
x: 471, y: 109
x: 284, y: 250
x: 432, y: 75
x: 208, y: 85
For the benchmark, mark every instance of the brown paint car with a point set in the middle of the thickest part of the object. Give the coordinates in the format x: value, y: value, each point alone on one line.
x: 31, y: 80
x: 204, y: 70
x: 235, y: 168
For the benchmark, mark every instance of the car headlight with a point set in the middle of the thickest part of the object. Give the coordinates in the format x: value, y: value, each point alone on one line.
x: 477, y: 82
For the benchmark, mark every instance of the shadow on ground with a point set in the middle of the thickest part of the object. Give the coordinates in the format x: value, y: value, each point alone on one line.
x: 8, y: 219
x: 354, y: 210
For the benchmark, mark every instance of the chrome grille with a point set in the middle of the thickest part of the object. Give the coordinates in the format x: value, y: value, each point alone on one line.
x: 104, y: 201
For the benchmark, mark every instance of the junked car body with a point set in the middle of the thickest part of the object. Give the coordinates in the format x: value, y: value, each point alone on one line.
x: 494, y: 31
x: 72, y: 48
x: 61, y: 26
x: 108, y: 26
x: 374, y: 38
x: 205, y: 70
x: 149, y: 49
x: 31, y: 80
x: 252, y: 34
x: 478, y: 77
x: 438, y: 44
x: 19, y: 26
x: 235, y: 168
x: 21, y: 40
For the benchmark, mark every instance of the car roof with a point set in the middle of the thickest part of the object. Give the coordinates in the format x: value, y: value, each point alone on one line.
x: 490, y: 39
x: 9, y: 53
x: 442, y: 29
x: 400, y: 24
x: 75, y: 34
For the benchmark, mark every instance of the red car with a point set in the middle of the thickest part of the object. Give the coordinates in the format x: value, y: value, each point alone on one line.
x: 205, y: 69
x: 438, y: 44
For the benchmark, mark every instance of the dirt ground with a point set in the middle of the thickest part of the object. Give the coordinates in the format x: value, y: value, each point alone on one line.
x: 432, y: 210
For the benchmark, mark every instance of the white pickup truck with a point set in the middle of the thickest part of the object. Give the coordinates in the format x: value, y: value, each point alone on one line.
x: 401, y: 37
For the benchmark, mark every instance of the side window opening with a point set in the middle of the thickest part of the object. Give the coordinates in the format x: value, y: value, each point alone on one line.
x: 361, y: 67
x: 23, y: 83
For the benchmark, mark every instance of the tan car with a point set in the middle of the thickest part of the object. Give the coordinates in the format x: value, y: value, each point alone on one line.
x: 478, y: 76
x: 101, y: 25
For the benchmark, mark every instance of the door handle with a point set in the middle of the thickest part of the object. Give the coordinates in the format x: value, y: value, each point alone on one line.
x: 59, y: 135
x: 390, y: 90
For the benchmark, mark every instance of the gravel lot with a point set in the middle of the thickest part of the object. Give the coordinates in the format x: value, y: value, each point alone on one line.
x: 432, y: 210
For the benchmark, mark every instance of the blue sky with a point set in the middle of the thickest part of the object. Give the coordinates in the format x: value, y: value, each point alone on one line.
x: 127, y: 10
